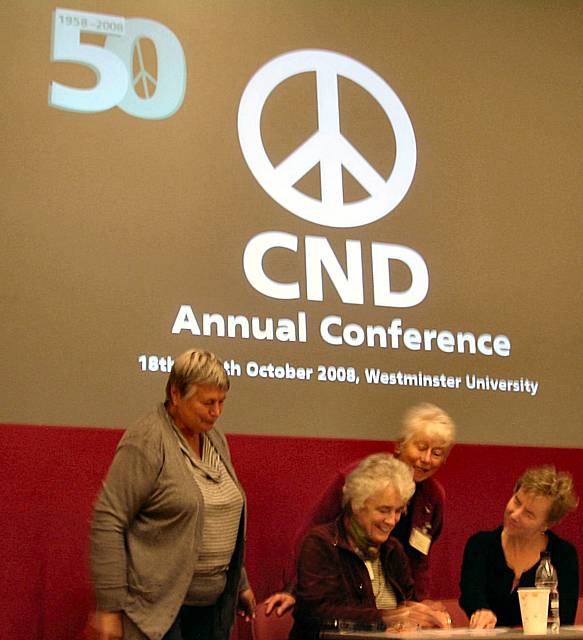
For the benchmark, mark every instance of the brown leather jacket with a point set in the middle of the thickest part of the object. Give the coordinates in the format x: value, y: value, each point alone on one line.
x: 333, y: 582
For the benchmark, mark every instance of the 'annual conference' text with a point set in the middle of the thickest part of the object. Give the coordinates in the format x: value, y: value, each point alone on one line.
x: 334, y: 331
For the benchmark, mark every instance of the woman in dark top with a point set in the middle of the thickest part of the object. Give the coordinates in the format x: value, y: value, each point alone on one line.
x: 497, y: 562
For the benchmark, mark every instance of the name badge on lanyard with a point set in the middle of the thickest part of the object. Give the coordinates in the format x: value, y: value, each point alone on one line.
x: 420, y: 540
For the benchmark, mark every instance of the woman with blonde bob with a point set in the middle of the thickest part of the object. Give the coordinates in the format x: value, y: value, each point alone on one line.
x: 496, y: 563
x: 350, y: 570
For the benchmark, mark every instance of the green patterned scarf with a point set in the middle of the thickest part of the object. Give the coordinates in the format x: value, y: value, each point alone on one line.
x: 363, y: 547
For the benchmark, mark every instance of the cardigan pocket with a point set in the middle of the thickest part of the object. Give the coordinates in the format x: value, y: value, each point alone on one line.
x: 148, y: 590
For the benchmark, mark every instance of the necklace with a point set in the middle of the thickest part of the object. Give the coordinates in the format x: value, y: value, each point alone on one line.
x: 376, y: 575
x: 382, y: 590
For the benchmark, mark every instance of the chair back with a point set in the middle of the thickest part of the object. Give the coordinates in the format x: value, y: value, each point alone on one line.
x: 458, y: 615
x: 271, y: 627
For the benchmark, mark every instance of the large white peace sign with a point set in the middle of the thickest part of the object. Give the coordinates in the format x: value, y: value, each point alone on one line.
x: 327, y: 146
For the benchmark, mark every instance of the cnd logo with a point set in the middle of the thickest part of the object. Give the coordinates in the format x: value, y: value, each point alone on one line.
x: 333, y: 152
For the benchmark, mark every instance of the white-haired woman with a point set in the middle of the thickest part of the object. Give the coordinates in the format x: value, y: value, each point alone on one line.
x: 351, y: 570
x: 167, y: 536
x: 427, y: 436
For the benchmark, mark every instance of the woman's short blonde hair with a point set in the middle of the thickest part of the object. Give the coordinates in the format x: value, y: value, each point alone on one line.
x: 548, y: 482
x: 373, y: 474
x: 429, y: 418
x: 195, y: 367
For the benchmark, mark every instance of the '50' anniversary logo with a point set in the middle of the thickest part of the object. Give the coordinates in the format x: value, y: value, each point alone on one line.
x: 116, y: 63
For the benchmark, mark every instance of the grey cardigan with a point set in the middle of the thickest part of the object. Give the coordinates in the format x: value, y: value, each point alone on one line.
x: 146, y: 529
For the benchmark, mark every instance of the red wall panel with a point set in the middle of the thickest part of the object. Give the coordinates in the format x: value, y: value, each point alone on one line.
x: 51, y: 475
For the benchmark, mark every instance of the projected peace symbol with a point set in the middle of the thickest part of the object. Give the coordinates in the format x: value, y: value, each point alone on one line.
x: 143, y: 77
x: 327, y: 146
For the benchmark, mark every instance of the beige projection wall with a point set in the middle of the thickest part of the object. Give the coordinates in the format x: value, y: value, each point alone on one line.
x: 208, y: 157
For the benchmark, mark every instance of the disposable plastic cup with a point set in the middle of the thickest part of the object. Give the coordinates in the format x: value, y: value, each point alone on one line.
x: 534, y: 609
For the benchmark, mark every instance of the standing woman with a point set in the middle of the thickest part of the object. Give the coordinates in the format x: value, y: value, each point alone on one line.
x: 427, y: 436
x: 497, y: 562
x: 167, y: 536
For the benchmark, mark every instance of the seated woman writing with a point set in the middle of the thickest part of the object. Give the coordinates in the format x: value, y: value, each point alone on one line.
x: 497, y: 562
x: 350, y: 570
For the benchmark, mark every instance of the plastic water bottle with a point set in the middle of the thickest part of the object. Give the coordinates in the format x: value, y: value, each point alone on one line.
x: 546, y: 577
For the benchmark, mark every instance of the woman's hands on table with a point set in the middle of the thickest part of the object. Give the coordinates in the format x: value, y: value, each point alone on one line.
x: 482, y: 619
x: 418, y: 614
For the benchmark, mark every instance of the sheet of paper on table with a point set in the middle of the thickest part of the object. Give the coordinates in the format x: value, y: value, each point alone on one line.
x: 455, y: 631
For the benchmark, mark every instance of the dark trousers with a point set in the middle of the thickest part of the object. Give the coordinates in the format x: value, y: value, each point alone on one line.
x: 192, y: 623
